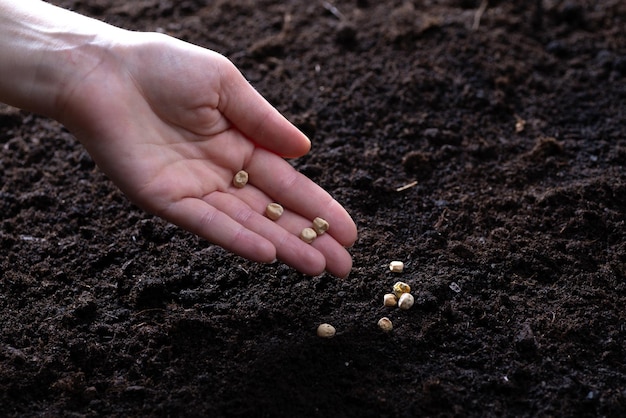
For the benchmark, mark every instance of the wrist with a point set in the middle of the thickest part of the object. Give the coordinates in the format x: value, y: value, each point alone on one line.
x: 45, y: 51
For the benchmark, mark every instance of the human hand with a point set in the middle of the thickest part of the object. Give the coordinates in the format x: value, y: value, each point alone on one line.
x: 171, y: 123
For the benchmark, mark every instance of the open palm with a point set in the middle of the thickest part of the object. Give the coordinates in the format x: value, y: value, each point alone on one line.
x: 171, y: 123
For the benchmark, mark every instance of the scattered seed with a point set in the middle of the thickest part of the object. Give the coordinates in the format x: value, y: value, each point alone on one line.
x: 390, y: 300
x: 396, y: 266
x: 406, y: 301
x: 320, y: 225
x: 308, y: 235
x: 401, y: 288
x: 240, y: 179
x: 326, y: 331
x: 385, y: 324
x: 274, y: 211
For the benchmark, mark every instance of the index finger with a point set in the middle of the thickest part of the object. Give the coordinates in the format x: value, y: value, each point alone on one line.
x: 256, y: 118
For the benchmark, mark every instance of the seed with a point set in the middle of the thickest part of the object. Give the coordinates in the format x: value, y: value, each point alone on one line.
x: 385, y: 324
x: 326, y: 331
x: 274, y: 211
x: 320, y: 225
x: 400, y: 288
x: 240, y: 179
x: 396, y: 266
x: 406, y: 301
x: 308, y: 235
x: 390, y: 300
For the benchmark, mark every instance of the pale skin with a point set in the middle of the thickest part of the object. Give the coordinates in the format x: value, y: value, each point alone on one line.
x: 170, y: 123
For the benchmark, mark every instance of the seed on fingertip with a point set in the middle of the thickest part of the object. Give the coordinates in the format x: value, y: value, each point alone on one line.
x: 320, y: 225
x: 308, y: 235
x: 274, y: 211
x: 240, y: 179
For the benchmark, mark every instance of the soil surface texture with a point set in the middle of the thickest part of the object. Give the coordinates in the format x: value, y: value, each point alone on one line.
x: 482, y: 143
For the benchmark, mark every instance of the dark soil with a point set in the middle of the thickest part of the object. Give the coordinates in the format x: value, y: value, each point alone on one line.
x: 513, y: 125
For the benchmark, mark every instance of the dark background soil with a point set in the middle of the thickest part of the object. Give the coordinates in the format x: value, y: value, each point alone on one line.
x: 514, y: 127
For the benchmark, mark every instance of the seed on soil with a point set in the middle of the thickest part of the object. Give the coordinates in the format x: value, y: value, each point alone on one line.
x: 406, y: 301
x: 240, y: 179
x: 326, y: 331
x: 396, y: 266
x: 274, y: 211
x: 390, y: 300
x: 308, y: 235
x: 385, y: 324
x: 320, y: 225
x: 400, y: 288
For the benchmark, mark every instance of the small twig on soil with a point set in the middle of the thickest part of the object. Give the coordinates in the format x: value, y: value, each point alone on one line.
x: 520, y: 124
x: 407, y: 186
x: 145, y: 311
x: 442, y: 219
x: 479, y: 14
x: 287, y: 26
x: 333, y: 10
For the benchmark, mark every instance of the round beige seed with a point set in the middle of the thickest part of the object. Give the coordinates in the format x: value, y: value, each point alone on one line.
x: 240, y: 179
x: 320, y: 225
x: 396, y: 266
x: 400, y: 288
x: 308, y: 235
x: 406, y: 301
x: 385, y: 324
x: 326, y: 331
x: 390, y: 300
x: 274, y: 211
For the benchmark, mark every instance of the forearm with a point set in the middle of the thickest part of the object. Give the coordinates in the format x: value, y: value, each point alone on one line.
x: 43, y: 51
